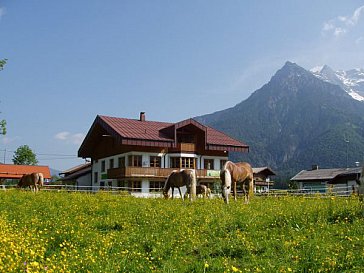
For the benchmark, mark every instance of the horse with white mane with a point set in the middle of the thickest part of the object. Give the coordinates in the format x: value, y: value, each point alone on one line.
x: 33, y: 180
x: 177, y: 179
x: 233, y: 173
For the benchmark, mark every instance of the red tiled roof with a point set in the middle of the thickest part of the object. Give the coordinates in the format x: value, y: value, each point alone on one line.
x: 136, y: 129
x: 218, y: 138
x: 16, y: 171
x: 155, y: 133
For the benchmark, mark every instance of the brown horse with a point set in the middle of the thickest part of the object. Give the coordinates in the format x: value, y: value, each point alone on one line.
x: 33, y: 180
x: 202, y: 190
x: 177, y: 179
x: 240, y: 172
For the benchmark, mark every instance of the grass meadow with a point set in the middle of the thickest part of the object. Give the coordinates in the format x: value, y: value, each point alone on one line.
x: 102, y: 232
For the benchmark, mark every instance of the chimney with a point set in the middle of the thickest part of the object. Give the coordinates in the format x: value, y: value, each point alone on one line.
x: 315, y: 167
x: 142, y: 116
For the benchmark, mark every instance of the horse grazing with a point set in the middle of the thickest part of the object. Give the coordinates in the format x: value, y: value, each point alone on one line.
x: 33, y: 180
x: 177, y: 179
x: 202, y: 190
x: 240, y: 172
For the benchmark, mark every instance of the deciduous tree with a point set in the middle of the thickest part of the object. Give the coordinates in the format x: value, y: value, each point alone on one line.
x: 24, y: 156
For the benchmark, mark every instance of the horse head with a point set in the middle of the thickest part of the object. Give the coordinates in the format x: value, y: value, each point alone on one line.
x: 225, y: 184
x: 166, y: 195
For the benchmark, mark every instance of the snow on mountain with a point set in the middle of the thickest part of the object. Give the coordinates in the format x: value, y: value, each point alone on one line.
x: 352, y: 81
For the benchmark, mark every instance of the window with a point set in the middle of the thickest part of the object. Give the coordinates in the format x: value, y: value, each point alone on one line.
x: 136, y: 186
x: 96, y: 177
x: 209, y: 164
x: 183, y: 162
x: 121, y: 162
x: 103, y: 166
x: 156, y: 185
x: 155, y: 161
x: 135, y: 160
x: 111, y: 163
x: 188, y: 162
x: 123, y: 185
x: 175, y: 162
x: 222, y: 163
x: 131, y: 186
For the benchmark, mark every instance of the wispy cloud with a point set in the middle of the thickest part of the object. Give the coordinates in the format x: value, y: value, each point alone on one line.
x: 360, y: 40
x: 70, y: 138
x: 2, y: 12
x: 342, y: 24
x: 5, y: 140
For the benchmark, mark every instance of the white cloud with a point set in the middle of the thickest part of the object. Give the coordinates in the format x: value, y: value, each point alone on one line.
x: 2, y: 12
x: 360, y: 40
x: 339, y: 31
x: 7, y: 140
x: 342, y: 24
x: 70, y: 138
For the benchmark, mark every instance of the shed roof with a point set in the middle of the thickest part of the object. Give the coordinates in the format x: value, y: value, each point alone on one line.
x: 77, y: 172
x: 265, y: 170
x: 10, y: 171
x: 76, y: 168
x: 322, y: 174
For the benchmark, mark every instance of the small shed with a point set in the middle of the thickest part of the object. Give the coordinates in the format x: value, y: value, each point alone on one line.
x: 79, y: 175
x: 321, y: 180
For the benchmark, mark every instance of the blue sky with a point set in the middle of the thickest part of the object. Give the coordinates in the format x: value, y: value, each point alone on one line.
x: 69, y: 61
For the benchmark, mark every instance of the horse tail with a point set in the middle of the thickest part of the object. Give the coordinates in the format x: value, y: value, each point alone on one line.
x: 251, y: 181
x: 40, y: 180
x: 251, y: 187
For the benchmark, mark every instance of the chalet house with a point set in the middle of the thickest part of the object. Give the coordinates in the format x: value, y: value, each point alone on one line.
x: 262, y: 179
x: 340, y: 180
x: 138, y: 155
x: 10, y: 171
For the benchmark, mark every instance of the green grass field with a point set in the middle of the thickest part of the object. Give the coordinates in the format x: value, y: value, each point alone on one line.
x: 78, y: 232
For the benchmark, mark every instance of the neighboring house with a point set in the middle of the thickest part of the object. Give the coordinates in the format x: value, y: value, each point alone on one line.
x: 10, y: 171
x: 138, y: 155
x: 262, y: 180
x: 79, y: 176
x: 340, y: 180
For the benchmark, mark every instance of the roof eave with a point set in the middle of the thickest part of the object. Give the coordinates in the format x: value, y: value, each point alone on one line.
x: 230, y: 148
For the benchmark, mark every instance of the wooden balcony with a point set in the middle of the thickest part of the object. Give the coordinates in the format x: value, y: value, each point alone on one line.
x: 184, y: 147
x: 150, y: 172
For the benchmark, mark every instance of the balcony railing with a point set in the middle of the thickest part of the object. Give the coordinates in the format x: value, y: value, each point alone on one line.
x: 184, y: 147
x: 151, y: 172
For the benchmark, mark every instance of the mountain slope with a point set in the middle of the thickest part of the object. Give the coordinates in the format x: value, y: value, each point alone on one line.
x: 294, y: 121
x: 351, y: 81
